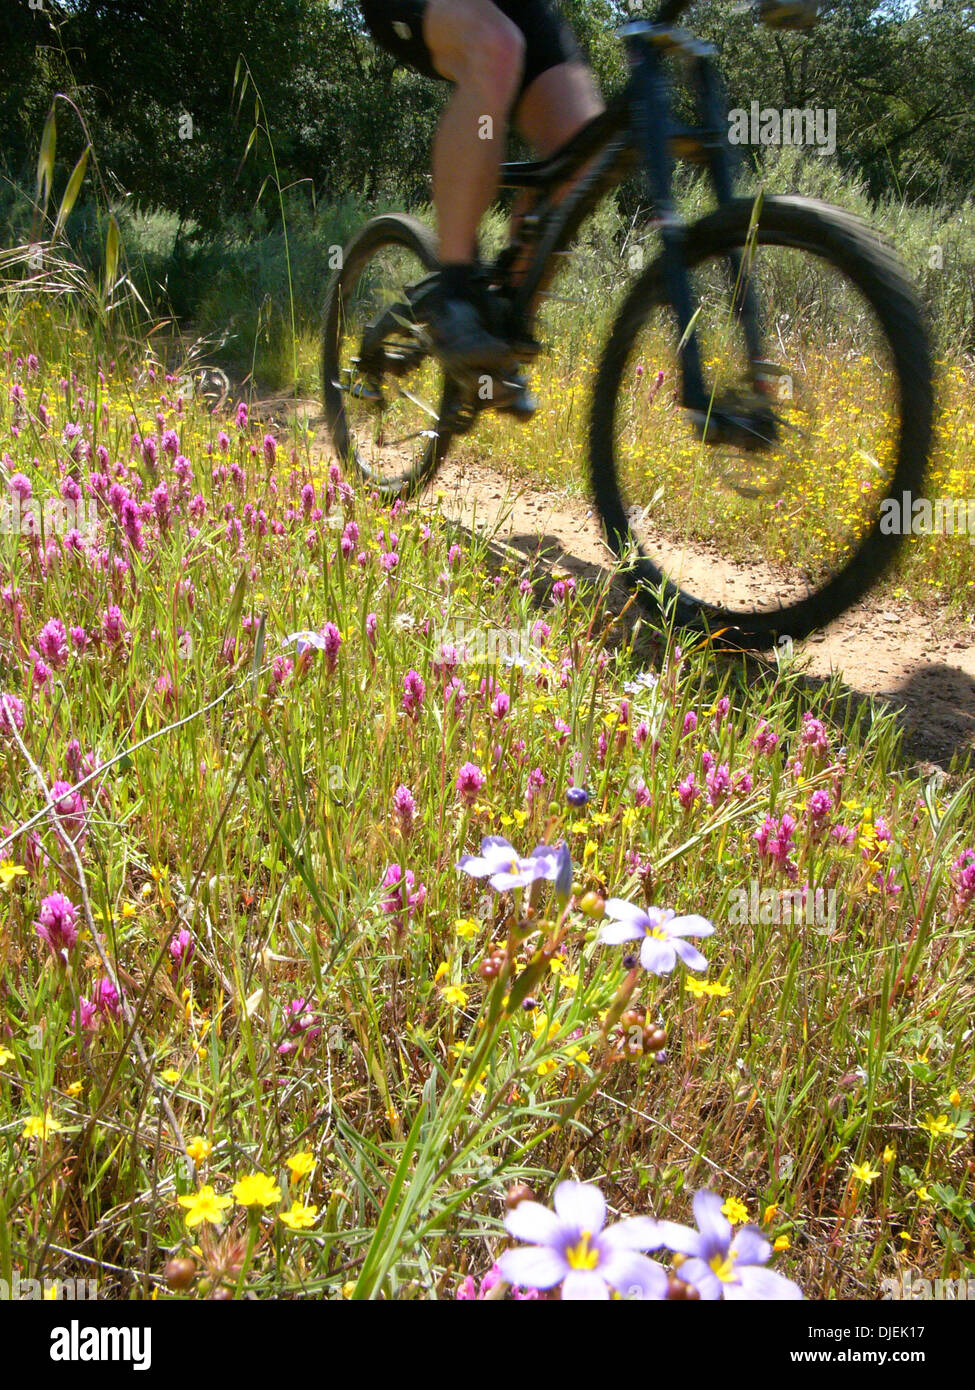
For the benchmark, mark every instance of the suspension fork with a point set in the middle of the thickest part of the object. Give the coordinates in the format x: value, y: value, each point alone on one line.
x: 713, y: 107
x: 652, y: 128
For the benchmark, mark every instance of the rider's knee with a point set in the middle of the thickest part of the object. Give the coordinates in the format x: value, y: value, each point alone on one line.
x: 496, y: 59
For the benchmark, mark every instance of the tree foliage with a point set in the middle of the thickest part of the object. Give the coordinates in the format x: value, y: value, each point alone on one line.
x: 345, y: 118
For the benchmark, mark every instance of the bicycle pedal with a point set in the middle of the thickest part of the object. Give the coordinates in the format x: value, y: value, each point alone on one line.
x: 363, y: 392
x: 745, y: 431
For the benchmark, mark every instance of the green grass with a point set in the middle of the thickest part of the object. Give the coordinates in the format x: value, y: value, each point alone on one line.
x: 248, y: 802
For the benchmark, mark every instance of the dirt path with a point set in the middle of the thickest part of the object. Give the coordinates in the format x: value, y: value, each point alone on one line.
x: 921, y: 662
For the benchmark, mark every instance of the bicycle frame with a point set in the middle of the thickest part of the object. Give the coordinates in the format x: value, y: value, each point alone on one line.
x: 637, y: 127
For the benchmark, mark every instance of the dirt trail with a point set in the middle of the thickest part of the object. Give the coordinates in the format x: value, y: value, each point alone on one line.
x: 920, y: 662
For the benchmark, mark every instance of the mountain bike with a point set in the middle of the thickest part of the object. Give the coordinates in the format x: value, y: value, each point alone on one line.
x: 765, y: 387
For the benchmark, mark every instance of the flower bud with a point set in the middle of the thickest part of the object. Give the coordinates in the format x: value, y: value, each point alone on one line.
x: 519, y: 1192
x: 593, y: 905
x: 179, y: 1273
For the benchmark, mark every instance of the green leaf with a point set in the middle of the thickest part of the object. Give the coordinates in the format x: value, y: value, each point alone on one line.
x: 111, y: 252
x: 45, y: 159
x: 71, y: 192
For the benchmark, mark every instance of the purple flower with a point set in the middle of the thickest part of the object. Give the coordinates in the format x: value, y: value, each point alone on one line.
x: 270, y: 450
x: 333, y: 640
x: 56, y: 924
x: 814, y: 735
x: 774, y: 841
x: 723, y: 1262
x: 106, y: 998
x: 413, y: 693
x: 962, y: 878
x: 182, y: 947
x: 11, y: 713
x: 764, y: 740
x: 52, y: 643
x: 470, y: 780
x: 404, y: 809
x: 402, y: 897
x: 574, y: 1247
x: 662, y: 931
x: 688, y: 791
x: 504, y: 868
x: 577, y: 796
x: 718, y: 784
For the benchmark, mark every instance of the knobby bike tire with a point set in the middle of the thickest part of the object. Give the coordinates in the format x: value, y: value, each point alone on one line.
x: 848, y: 245
x: 392, y: 229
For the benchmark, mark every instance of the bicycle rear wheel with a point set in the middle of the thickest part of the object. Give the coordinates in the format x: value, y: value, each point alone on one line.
x: 384, y: 394
x: 775, y: 540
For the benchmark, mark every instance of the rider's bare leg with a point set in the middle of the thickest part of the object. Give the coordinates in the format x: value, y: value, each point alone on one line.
x: 554, y: 108
x: 480, y: 50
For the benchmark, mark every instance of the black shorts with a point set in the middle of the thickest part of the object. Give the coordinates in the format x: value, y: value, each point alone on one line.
x: 397, y: 26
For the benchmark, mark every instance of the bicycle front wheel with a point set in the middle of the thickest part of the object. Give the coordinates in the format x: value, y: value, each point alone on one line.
x: 776, y: 534
x: 384, y: 393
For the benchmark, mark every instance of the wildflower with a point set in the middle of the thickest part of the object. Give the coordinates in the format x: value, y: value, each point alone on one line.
x: 52, y: 643
x: 300, y: 1216
x: 735, y: 1211
x: 257, y: 1190
x: 404, y: 809
x: 11, y: 713
x: 182, y: 947
x: 662, y: 932
x: 270, y: 450
x: 5, y: 1056
x: 413, y: 693
x: 41, y: 1127
x: 688, y: 791
x: 962, y: 873
x: 722, y: 1262
x: 468, y: 1291
x: 333, y: 640
x: 813, y: 735
x: 690, y: 723
x: 301, y: 1164
x: 774, y: 840
x: 205, y: 1206
x: 572, y: 1246
x: 199, y: 1149
x: 9, y: 872
x: 402, y: 897
x: 455, y: 996
x: 936, y: 1126
x: 470, y: 781
x: 765, y: 740
x: 864, y: 1173
x: 106, y: 998
x: 56, y: 924
x: 718, y: 784
x: 504, y: 868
